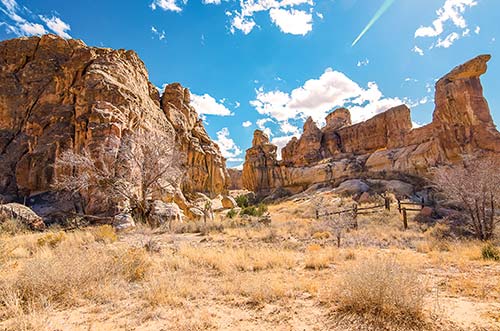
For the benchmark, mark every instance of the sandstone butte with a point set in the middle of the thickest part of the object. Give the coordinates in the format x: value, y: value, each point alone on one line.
x: 461, y: 125
x: 58, y: 94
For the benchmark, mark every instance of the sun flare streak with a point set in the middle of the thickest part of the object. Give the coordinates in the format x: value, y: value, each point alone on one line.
x: 378, y: 14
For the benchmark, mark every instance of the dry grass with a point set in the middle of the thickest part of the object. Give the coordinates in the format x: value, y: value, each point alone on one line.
x: 381, y: 287
x: 319, y: 258
x: 227, y: 260
x: 244, y: 276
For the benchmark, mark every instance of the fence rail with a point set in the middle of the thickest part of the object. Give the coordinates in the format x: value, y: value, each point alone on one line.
x: 355, y: 210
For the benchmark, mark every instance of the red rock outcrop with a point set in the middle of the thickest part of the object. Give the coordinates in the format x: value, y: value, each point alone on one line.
x: 58, y: 94
x: 206, y: 168
x: 236, y: 179
x: 462, y: 124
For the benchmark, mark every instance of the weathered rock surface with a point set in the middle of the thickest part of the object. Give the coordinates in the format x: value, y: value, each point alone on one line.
x: 22, y: 213
x: 236, y: 179
x: 462, y: 124
x: 206, y: 168
x: 58, y: 94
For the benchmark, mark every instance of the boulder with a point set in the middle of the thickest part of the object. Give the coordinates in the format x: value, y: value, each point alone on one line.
x: 23, y: 214
x: 164, y: 213
x: 352, y: 187
x: 228, y: 202
x: 123, y: 222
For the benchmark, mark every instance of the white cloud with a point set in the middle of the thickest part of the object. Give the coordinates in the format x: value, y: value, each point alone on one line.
x: 477, y: 30
x: 449, y: 16
x: 242, y: 23
x: 227, y: 146
x: 207, y: 105
x: 317, y: 97
x: 160, y: 34
x: 297, y: 22
x: 418, y: 50
x: 261, y: 124
x: 282, y: 142
x: 287, y: 128
x: 17, y: 24
x: 32, y: 29
x: 448, y: 41
x: 282, y: 13
x: 57, y: 26
x: 211, y: 2
x: 246, y: 124
x: 167, y: 5
x: 363, y: 63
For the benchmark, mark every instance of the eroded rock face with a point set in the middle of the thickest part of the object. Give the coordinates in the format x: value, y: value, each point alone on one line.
x: 261, y: 169
x: 206, y: 168
x: 236, y: 179
x: 58, y: 94
x: 462, y: 124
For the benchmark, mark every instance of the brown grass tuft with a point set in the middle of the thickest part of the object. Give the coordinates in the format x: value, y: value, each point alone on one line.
x: 382, y: 288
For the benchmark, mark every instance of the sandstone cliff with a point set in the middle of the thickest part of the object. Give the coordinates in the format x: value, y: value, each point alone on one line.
x: 58, y: 94
x: 462, y: 124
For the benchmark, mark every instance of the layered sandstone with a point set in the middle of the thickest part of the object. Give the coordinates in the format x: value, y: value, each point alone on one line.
x: 58, y: 95
x: 462, y: 124
x: 206, y: 168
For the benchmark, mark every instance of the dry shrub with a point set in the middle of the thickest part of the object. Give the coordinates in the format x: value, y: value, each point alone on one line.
x: 257, y: 288
x: 133, y: 264
x: 105, y: 234
x: 490, y: 252
x: 319, y: 258
x: 51, y: 239
x: 12, y: 226
x: 321, y: 235
x: 170, y: 289
x: 240, y: 259
x: 383, y: 288
x: 66, y: 275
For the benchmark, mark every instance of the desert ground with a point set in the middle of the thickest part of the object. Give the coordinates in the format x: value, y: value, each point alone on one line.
x: 244, y: 274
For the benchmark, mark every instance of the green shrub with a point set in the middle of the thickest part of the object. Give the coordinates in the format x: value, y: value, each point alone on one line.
x: 256, y: 211
x: 232, y: 213
x: 242, y: 201
x: 490, y: 252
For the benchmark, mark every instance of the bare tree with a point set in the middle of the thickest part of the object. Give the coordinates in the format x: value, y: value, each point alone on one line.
x: 139, y: 168
x: 475, y: 185
x: 340, y: 223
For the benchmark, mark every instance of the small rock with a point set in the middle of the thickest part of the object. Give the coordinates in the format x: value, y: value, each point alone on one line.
x: 123, y: 222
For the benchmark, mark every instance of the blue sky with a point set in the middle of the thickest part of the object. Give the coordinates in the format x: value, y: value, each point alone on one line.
x: 270, y: 64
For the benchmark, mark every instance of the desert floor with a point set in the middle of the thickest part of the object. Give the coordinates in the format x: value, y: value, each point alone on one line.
x: 236, y: 275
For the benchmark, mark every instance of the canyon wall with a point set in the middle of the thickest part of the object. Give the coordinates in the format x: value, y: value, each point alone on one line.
x: 58, y: 95
x: 462, y: 124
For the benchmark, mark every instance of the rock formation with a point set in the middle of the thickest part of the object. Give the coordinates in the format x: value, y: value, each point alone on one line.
x: 58, y: 94
x: 206, y: 168
x: 462, y: 124
x: 236, y: 180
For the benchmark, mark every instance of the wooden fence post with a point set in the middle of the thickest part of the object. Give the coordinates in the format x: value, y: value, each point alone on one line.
x: 387, y: 203
x: 399, y: 206
x: 355, y: 215
x: 317, y: 214
x: 405, y: 219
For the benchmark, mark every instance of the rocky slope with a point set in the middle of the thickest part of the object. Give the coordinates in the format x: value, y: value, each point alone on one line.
x: 462, y: 124
x: 58, y: 94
